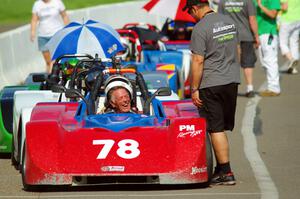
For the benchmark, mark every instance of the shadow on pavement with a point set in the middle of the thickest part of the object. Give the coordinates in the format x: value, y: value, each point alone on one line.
x: 4, y: 155
x: 118, y: 187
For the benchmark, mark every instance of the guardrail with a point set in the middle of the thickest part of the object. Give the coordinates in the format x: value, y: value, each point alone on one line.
x: 19, y: 56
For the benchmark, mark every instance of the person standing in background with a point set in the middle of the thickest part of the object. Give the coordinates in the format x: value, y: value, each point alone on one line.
x: 215, y: 75
x: 243, y: 13
x: 267, y: 11
x: 289, y: 33
x: 50, y: 16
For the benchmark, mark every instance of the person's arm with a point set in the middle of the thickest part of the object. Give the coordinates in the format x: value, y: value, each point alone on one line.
x: 33, y: 24
x: 284, y: 6
x: 254, y: 29
x: 65, y: 17
x: 239, y: 52
x: 196, y: 72
x: 270, y: 13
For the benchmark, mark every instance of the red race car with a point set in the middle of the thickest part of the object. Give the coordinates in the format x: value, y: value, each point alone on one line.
x: 164, y: 142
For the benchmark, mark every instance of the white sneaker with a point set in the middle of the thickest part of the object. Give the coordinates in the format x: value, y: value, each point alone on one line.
x: 292, y: 67
x: 292, y: 71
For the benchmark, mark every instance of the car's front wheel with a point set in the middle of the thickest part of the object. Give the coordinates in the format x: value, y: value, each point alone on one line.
x: 14, y: 162
x: 26, y: 186
x: 209, y: 160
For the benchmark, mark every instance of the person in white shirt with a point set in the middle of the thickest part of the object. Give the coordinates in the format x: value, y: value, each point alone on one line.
x: 49, y: 16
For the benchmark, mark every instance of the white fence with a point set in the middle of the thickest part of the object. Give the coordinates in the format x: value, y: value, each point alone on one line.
x: 19, y: 56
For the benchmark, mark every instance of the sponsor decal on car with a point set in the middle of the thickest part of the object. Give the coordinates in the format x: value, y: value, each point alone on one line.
x: 188, y: 130
x: 113, y: 168
x: 196, y: 170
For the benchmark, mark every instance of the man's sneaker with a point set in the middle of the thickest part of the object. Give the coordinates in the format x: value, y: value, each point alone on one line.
x: 268, y: 93
x: 223, y: 179
x: 292, y: 67
x: 292, y: 71
x: 250, y: 94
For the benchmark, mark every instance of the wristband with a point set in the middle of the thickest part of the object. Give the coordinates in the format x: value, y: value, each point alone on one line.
x: 194, y: 90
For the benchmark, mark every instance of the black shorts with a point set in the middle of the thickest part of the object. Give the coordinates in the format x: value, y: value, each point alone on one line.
x: 219, y: 104
x: 248, y: 56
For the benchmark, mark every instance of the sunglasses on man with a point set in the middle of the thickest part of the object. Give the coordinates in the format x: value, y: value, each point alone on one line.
x: 190, y: 10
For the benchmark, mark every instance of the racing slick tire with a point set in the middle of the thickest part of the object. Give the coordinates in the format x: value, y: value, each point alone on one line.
x: 209, y: 159
x: 18, y: 158
x: 14, y: 162
x: 26, y: 186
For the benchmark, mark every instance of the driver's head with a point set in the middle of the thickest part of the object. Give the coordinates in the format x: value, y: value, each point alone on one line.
x: 124, y: 54
x: 120, y: 99
x: 119, y: 94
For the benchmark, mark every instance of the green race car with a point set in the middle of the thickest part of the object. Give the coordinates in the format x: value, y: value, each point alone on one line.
x: 35, y: 81
x: 6, y: 114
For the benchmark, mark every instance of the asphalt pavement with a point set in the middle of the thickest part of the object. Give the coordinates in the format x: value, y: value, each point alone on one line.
x: 264, y: 155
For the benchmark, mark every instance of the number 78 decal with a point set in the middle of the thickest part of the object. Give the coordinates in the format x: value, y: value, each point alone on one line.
x: 128, y: 149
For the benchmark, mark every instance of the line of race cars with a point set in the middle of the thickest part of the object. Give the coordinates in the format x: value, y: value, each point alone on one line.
x: 56, y: 136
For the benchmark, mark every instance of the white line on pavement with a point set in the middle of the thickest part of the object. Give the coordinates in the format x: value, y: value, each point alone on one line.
x: 134, y: 195
x: 263, y: 178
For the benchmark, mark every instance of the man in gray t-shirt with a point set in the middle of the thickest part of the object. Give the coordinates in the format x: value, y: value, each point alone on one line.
x: 243, y: 12
x: 215, y: 75
x: 215, y: 38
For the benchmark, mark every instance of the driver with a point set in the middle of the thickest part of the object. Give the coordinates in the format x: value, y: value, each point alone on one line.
x: 119, y: 95
x: 125, y: 54
x: 119, y: 100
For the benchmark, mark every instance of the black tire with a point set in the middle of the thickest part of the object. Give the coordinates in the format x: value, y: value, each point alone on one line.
x: 20, y: 128
x: 209, y: 159
x: 14, y: 162
x: 26, y: 186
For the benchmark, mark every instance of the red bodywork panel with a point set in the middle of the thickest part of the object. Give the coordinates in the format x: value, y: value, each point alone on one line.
x: 58, y: 147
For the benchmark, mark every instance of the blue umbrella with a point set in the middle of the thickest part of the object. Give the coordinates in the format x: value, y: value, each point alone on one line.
x: 91, y: 38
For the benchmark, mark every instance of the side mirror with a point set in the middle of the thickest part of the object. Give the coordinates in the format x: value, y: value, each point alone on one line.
x: 58, y: 89
x: 39, y: 77
x: 74, y: 93
x: 163, y: 91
